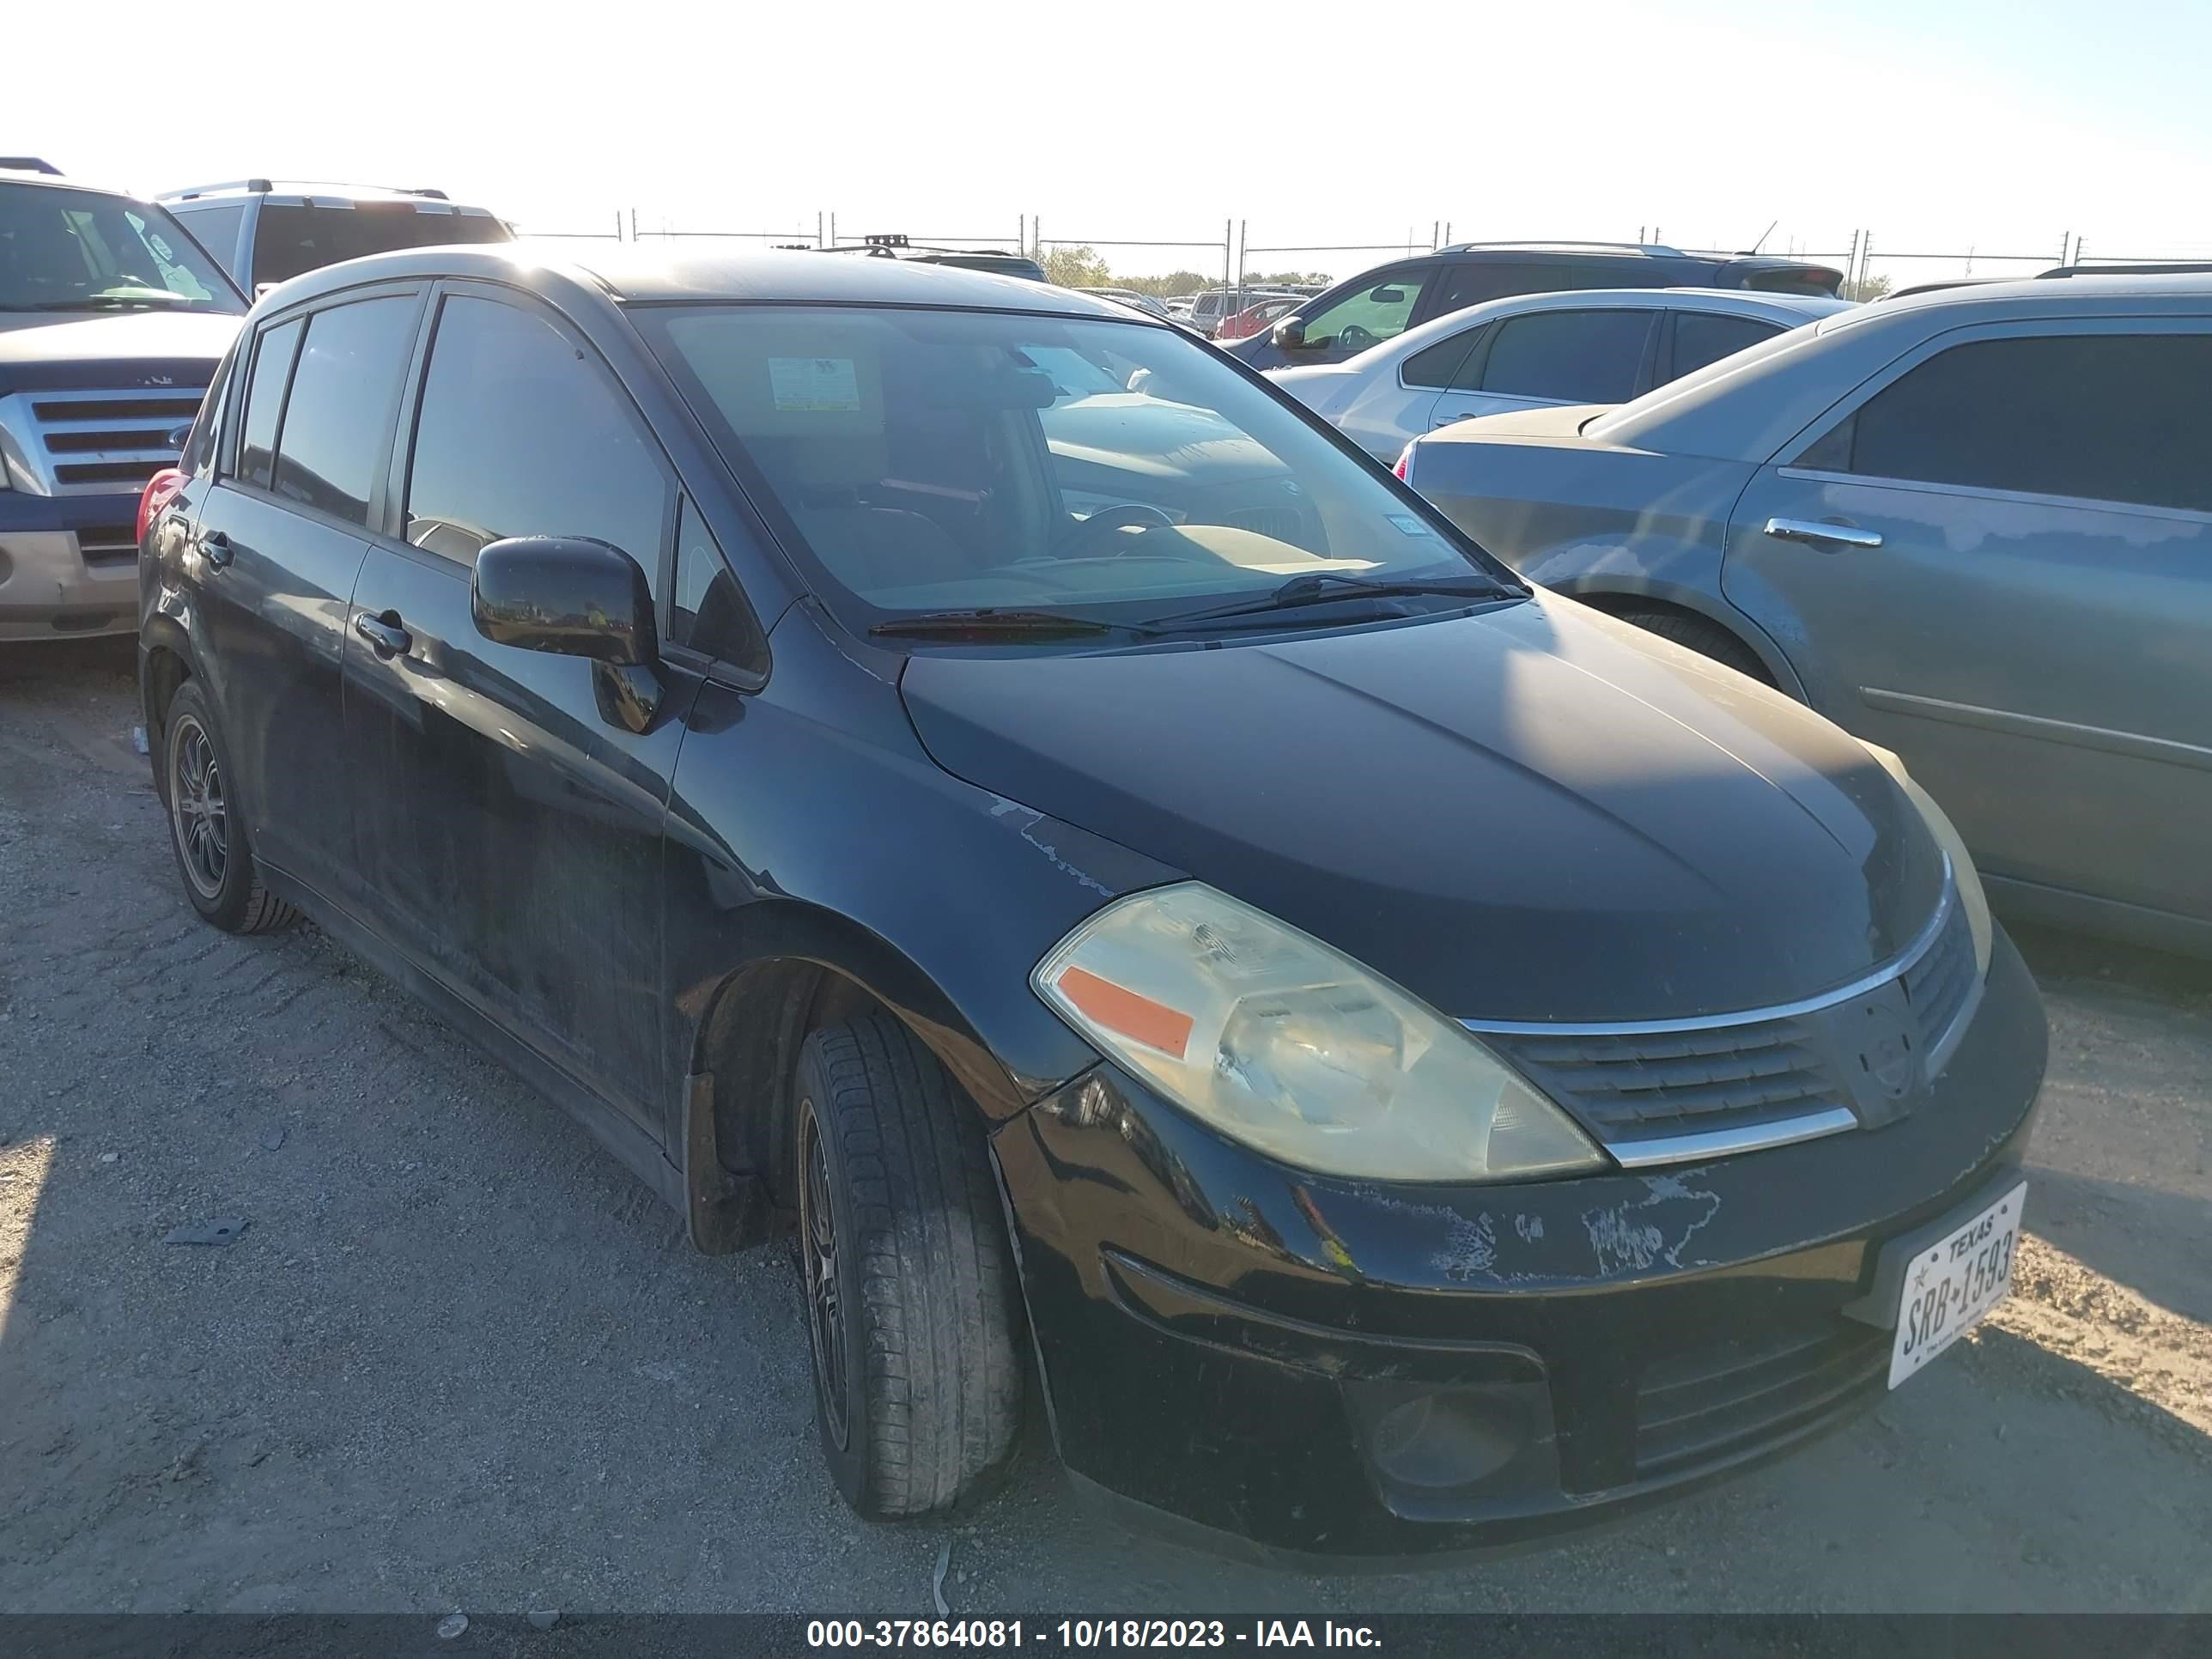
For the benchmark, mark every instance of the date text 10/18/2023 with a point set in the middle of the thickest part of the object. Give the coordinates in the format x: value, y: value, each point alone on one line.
x: 1084, y: 1635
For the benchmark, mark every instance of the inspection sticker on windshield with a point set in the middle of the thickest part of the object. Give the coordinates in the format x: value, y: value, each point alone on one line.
x: 814, y: 385
x: 1952, y: 1283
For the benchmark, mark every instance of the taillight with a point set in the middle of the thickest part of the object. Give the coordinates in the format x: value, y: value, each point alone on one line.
x: 1405, y: 467
x: 161, y: 490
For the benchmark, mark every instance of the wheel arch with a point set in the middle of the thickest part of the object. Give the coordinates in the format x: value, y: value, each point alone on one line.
x: 166, y: 661
x: 804, y: 967
x: 1614, y: 592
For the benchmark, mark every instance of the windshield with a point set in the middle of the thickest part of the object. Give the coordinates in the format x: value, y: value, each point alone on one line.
x: 932, y: 460
x: 78, y: 250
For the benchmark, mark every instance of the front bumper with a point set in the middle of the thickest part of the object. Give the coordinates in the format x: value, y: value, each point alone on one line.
x: 69, y: 566
x: 1326, y: 1367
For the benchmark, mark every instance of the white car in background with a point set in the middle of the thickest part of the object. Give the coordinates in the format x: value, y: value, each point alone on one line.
x: 1577, y: 346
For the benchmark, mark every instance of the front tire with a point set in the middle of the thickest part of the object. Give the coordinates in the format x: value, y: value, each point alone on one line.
x: 207, y: 829
x: 905, y: 1271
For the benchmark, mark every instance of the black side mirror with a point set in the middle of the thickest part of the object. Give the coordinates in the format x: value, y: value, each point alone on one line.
x: 1289, y: 335
x: 574, y: 598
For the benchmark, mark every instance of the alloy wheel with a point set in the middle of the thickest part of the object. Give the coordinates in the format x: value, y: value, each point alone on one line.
x: 199, y: 814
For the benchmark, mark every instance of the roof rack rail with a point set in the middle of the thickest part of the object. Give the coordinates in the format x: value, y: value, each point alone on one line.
x: 267, y: 186
x: 2137, y: 268
x: 1661, y: 248
x: 27, y: 164
x: 186, y: 195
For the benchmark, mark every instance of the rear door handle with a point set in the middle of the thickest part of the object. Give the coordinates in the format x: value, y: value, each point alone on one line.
x: 384, y: 634
x: 1820, y: 534
x: 214, y: 548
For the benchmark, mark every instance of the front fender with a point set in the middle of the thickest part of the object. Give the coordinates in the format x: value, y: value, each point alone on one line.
x: 806, y: 824
x: 1680, y: 585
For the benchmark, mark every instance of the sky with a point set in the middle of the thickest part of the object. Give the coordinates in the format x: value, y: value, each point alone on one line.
x: 1936, y: 126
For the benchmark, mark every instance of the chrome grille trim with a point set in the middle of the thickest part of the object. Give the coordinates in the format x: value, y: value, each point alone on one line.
x: 1680, y: 1090
x: 105, y: 441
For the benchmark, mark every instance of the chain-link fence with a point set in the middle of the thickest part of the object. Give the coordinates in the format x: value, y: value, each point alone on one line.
x: 1175, y: 266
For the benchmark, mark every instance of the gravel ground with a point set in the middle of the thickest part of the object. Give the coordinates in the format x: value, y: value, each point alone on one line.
x: 460, y: 1359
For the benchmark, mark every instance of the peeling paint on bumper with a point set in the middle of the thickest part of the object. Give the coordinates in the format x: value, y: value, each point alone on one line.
x: 1228, y: 1343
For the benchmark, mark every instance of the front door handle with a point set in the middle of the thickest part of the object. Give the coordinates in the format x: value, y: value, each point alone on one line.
x: 384, y: 634
x: 214, y: 548
x: 1819, y: 533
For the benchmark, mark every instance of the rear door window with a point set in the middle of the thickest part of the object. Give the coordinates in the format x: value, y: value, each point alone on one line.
x: 2102, y: 416
x: 347, y: 378
x: 520, y: 434
x: 1706, y: 337
x: 264, y: 400
x: 1569, y: 356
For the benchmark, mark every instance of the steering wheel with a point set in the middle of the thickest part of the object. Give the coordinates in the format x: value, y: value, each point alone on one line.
x: 1352, y: 337
x: 1109, y: 519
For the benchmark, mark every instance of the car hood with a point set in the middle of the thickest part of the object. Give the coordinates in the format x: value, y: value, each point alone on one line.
x: 1534, y: 813
x: 40, y: 351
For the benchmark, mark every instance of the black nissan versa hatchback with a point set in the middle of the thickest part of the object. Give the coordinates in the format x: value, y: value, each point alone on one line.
x: 1390, y: 1058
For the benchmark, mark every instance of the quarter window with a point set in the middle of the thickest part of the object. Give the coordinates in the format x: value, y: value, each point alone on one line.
x: 1706, y: 337
x: 521, y: 435
x: 216, y: 229
x: 264, y: 401
x: 711, y: 615
x: 343, y: 389
x: 1569, y: 356
x: 2114, y: 417
x: 1441, y: 366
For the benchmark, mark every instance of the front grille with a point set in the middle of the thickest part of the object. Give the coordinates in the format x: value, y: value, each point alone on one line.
x: 107, y: 543
x: 1938, y: 985
x: 1633, y: 1085
x: 103, y: 441
x: 1697, y: 1409
x: 1862, y: 1057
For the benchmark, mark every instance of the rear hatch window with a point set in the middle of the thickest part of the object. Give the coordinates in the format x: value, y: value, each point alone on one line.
x: 1816, y: 280
x: 290, y: 239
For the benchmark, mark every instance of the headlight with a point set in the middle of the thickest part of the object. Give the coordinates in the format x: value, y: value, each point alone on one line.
x: 1296, y: 1050
x: 1969, y: 879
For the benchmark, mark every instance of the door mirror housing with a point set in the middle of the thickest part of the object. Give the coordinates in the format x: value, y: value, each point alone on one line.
x: 1289, y: 335
x: 575, y: 598
x: 568, y: 595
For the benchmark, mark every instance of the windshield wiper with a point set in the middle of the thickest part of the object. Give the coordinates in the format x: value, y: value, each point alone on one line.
x: 1327, y: 587
x: 990, y: 623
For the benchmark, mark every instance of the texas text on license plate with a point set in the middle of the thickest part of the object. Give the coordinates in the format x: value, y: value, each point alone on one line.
x: 1952, y: 1283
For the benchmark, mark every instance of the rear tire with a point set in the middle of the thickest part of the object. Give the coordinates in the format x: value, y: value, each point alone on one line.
x: 1706, y: 639
x: 905, y: 1272
x: 207, y: 829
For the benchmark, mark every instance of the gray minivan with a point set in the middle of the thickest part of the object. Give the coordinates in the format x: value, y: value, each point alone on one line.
x: 1974, y: 526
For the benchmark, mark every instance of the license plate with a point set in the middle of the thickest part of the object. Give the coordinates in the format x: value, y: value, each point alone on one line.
x: 1952, y: 1283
